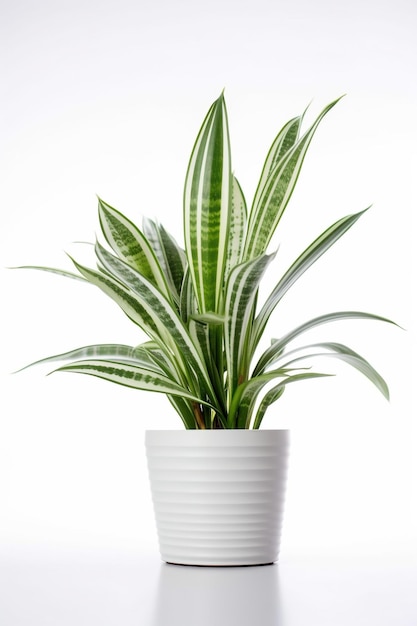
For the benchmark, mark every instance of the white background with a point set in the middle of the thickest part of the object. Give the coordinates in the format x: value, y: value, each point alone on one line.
x: 106, y: 98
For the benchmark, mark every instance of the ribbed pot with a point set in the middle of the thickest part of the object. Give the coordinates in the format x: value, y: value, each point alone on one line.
x: 218, y: 495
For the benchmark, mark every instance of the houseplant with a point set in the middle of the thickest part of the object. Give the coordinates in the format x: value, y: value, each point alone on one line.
x: 199, y: 308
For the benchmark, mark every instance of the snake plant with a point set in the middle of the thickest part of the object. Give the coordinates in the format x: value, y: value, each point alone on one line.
x: 199, y: 305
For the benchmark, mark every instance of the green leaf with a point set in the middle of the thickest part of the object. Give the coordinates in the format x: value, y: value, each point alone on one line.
x: 170, y: 256
x: 188, y: 304
x: 138, y: 355
x: 51, y: 270
x: 130, y: 376
x: 358, y: 362
x: 241, y: 291
x: 184, y: 410
x: 237, y: 229
x: 170, y: 329
x: 131, y: 245
x: 273, y: 197
x: 209, y: 318
x: 275, y: 350
x: 297, y: 269
x: 125, y: 299
x: 207, y: 208
x: 281, y: 145
x: 246, y: 394
x: 181, y: 405
x: 270, y: 397
x: 343, y: 353
x: 200, y: 333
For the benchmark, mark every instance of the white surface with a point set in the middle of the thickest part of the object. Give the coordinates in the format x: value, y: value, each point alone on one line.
x: 107, y: 97
x: 112, y: 589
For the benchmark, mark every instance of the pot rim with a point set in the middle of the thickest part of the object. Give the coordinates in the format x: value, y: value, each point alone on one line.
x: 216, y: 430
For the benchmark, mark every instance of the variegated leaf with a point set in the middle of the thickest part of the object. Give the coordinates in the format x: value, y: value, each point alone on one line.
x: 269, y: 398
x: 297, y: 269
x: 241, y: 291
x: 273, y: 198
x: 246, y: 395
x: 122, y: 296
x: 343, y: 353
x: 171, y: 330
x: 138, y: 355
x: 207, y: 206
x: 131, y: 245
x: 281, y: 145
x: 169, y: 254
x: 130, y: 376
x: 237, y: 229
x: 51, y: 270
x: 276, y: 348
x: 188, y: 304
x: 200, y: 332
x: 184, y: 410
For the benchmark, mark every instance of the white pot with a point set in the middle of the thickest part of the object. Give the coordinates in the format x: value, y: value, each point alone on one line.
x: 218, y: 495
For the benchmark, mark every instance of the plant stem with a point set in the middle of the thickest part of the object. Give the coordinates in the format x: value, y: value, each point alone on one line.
x: 198, y: 416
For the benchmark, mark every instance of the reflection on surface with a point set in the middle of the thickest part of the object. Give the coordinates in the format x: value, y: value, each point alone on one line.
x: 210, y: 596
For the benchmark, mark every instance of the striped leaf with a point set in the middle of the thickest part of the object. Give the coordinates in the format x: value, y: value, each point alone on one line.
x: 200, y: 332
x: 184, y: 407
x: 122, y: 296
x: 281, y: 145
x: 355, y: 360
x: 171, y: 331
x: 130, y: 376
x: 269, y: 398
x: 241, y: 291
x: 131, y: 245
x: 274, y: 196
x: 170, y: 256
x: 343, y: 353
x: 275, y: 350
x: 209, y: 318
x: 358, y: 362
x: 297, y: 269
x: 246, y: 395
x: 51, y: 270
x: 188, y: 304
x: 207, y: 208
x: 139, y: 355
x: 237, y: 229
x: 184, y: 410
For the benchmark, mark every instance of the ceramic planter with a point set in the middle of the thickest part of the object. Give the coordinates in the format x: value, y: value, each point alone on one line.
x: 218, y: 495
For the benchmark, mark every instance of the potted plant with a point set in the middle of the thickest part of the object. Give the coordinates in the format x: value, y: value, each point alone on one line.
x: 217, y: 484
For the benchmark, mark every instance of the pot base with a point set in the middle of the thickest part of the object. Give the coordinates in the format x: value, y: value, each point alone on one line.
x: 214, y: 565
